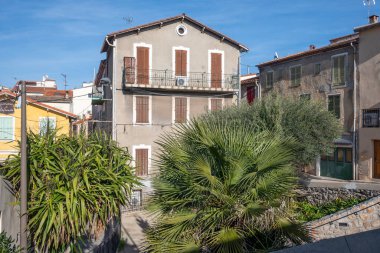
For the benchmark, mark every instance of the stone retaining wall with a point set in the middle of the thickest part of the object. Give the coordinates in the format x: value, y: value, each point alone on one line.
x: 359, y: 218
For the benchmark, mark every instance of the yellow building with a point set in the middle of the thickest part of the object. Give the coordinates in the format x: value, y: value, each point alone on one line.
x: 39, y: 115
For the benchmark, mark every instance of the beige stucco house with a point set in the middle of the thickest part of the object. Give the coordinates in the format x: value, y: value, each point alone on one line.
x: 345, y: 75
x: 162, y: 74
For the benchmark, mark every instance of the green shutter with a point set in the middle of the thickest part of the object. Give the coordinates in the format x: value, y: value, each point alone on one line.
x: 6, y: 128
x: 339, y: 70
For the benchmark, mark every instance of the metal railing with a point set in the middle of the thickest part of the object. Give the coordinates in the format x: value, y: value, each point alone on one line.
x: 137, y: 202
x: 155, y: 77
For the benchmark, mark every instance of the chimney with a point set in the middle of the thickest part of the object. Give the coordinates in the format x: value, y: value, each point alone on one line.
x: 312, y: 47
x: 373, y: 19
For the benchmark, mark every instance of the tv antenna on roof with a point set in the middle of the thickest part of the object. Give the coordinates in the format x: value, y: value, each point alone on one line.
x: 128, y: 19
x: 369, y: 3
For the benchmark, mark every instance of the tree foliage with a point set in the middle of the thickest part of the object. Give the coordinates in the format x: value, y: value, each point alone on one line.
x: 223, y: 187
x: 75, y: 185
x: 7, y: 244
x: 308, y: 122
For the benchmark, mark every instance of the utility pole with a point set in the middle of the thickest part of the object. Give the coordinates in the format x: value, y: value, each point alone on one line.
x: 24, y: 175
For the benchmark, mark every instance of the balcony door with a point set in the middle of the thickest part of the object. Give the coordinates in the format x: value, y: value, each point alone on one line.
x: 181, y: 62
x: 216, y: 70
x: 376, y: 170
x: 142, y: 65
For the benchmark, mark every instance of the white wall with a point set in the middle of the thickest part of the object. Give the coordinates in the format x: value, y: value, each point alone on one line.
x: 82, y: 100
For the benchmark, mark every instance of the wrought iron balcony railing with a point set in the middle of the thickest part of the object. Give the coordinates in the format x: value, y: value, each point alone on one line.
x: 169, y: 78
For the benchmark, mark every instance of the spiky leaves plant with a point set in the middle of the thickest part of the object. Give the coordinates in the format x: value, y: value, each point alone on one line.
x: 76, y: 184
x: 223, y: 187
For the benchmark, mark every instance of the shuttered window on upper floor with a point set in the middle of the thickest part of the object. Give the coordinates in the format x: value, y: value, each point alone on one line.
x: 129, y: 69
x: 180, y: 110
x: 181, y: 62
x: 7, y: 128
x: 295, y: 75
x: 339, y: 69
x: 142, y: 109
x: 141, y: 161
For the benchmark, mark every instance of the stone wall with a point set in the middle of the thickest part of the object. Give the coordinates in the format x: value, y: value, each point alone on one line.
x: 317, y: 196
x: 362, y: 217
x: 9, y: 211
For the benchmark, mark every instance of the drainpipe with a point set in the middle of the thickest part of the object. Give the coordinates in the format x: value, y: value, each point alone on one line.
x: 113, y: 124
x: 239, y: 82
x: 354, y: 146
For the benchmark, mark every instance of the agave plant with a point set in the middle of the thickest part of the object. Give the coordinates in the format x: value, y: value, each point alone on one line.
x: 76, y: 184
x: 223, y: 187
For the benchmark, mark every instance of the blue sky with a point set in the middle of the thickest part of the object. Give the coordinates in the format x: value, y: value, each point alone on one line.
x: 54, y: 37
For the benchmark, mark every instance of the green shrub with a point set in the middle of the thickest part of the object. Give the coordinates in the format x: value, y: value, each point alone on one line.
x: 308, y: 212
x: 7, y: 244
x: 76, y: 184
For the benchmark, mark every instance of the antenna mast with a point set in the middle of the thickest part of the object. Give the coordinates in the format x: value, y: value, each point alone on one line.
x: 64, y: 76
x: 369, y: 3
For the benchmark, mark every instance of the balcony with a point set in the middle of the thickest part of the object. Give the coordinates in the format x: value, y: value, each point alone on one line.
x: 192, y: 81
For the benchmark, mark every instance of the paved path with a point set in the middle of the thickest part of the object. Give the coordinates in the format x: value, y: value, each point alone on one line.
x: 133, y: 225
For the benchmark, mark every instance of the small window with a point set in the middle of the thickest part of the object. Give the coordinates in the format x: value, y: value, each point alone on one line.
x: 348, y: 155
x: 306, y: 96
x: 295, y: 76
x: 269, y: 79
x: 141, y: 161
x: 334, y: 105
x: 47, y: 124
x: 340, y: 155
x: 339, y: 69
x: 317, y: 69
x: 181, y: 30
x: 7, y: 128
x: 371, y: 118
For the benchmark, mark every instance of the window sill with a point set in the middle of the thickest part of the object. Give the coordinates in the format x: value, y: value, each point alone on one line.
x: 142, y: 124
x: 338, y: 86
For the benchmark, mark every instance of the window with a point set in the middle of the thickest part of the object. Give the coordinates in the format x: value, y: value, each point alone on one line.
x: 317, y: 69
x: 306, y: 96
x: 280, y: 74
x: 334, y: 105
x: 250, y: 94
x: 181, y: 58
x: 216, y: 104
x: 181, y: 30
x: 340, y: 155
x: 141, y: 161
x: 269, y: 79
x: 339, y: 65
x: 142, y: 110
x: 47, y: 124
x: 7, y: 128
x: 180, y: 110
x: 349, y: 155
x: 295, y: 76
x: 371, y: 118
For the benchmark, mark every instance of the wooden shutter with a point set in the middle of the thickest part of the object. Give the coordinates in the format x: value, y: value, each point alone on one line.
x: 180, y: 62
x: 216, y: 104
x: 216, y: 70
x: 141, y: 160
x: 142, y: 65
x: 180, y: 110
x: 129, y: 69
x: 334, y: 105
x: 142, y: 109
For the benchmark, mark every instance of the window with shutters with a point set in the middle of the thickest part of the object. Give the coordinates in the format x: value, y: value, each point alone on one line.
x: 143, y: 54
x: 180, y: 109
x: 141, y: 161
x: 7, y: 128
x: 334, y: 105
x: 47, y: 124
x: 142, y: 109
x: 295, y: 76
x: 339, y: 69
x: 216, y: 68
x: 216, y: 104
x: 181, y: 61
x: 129, y: 70
x: 269, y: 79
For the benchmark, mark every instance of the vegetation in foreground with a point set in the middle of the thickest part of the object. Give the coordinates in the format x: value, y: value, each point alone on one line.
x: 75, y: 185
x: 227, y: 178
x: 7, y: 244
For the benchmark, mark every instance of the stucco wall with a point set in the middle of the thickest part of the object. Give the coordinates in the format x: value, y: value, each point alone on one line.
x: 9, y: 220
x: 369, y: 90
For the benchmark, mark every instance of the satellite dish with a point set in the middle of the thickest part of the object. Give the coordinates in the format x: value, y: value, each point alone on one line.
x: 275, y: 55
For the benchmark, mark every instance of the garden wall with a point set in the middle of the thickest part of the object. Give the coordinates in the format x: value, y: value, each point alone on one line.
x: 9, y: 211
x: 359, y: 218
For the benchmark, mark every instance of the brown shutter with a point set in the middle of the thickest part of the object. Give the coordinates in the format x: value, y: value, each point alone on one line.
x: 216, y: 70
x: 216, y: 104
x: 180, y: 62
x: 142, y: 109
x: 141, y: 160
x: 180, y: 110
x: 142, y: 65
x: 129, y: 68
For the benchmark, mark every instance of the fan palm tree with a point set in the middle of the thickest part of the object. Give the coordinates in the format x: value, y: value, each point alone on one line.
x: 223, y: 187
